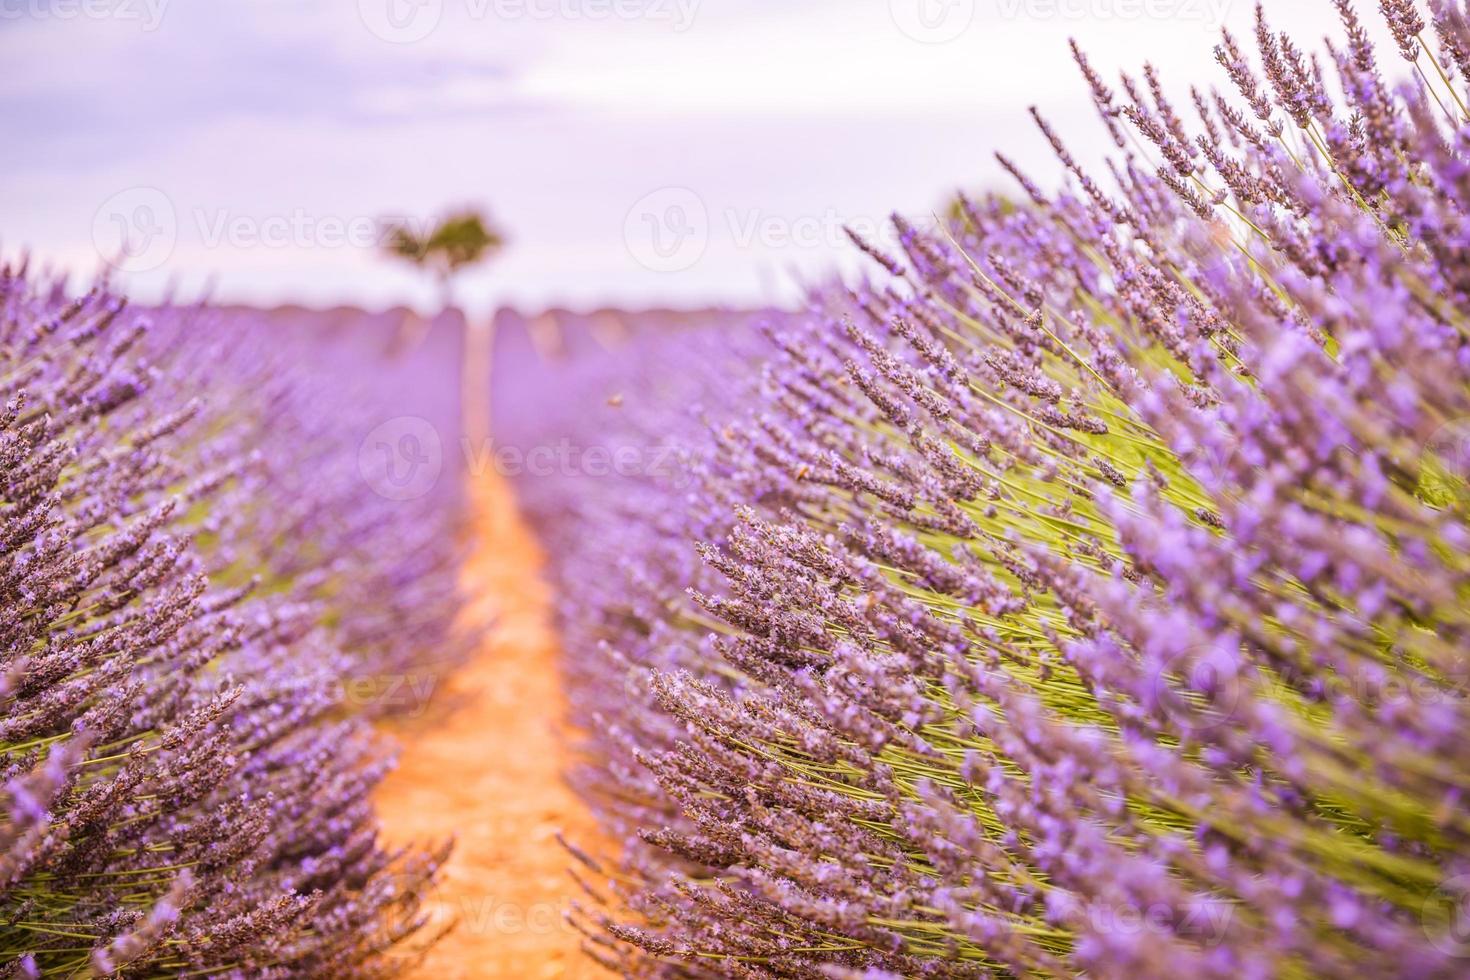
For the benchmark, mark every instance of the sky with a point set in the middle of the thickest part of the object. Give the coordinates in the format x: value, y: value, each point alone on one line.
x: 636, y: 153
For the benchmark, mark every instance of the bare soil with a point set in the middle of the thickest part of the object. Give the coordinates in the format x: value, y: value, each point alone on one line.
x: 484, y: 765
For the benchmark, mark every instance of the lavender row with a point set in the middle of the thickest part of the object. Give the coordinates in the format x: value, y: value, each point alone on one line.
x: 197, y: 577
x: 1085, y: 594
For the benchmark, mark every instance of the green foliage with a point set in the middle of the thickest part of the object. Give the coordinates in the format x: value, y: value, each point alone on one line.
x: 460, y: 239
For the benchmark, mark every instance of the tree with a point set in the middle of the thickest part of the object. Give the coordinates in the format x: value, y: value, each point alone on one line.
x: 461, y: 239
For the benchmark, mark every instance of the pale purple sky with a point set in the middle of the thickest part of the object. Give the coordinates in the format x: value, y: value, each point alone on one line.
x: 638, y: 152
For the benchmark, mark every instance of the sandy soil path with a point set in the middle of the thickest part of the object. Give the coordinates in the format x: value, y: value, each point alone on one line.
x: 488, y: 771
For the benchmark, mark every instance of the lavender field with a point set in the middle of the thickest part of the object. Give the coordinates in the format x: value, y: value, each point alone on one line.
x: 1069, y: 577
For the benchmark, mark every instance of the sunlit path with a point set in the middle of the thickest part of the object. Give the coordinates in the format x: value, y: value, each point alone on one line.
x: 485, y: 766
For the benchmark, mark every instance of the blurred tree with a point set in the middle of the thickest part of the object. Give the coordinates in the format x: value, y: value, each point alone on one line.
x: 459, y: 240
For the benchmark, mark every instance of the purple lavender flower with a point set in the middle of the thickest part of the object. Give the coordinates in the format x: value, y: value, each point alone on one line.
x: 189, y: 584
x: 1086, y: 594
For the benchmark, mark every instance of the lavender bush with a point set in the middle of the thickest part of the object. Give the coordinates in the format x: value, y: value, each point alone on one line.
x: 1086, y: 595
x: 193, y: 587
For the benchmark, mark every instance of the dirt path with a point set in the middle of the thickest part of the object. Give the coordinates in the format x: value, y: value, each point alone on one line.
x: 488, y: 772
